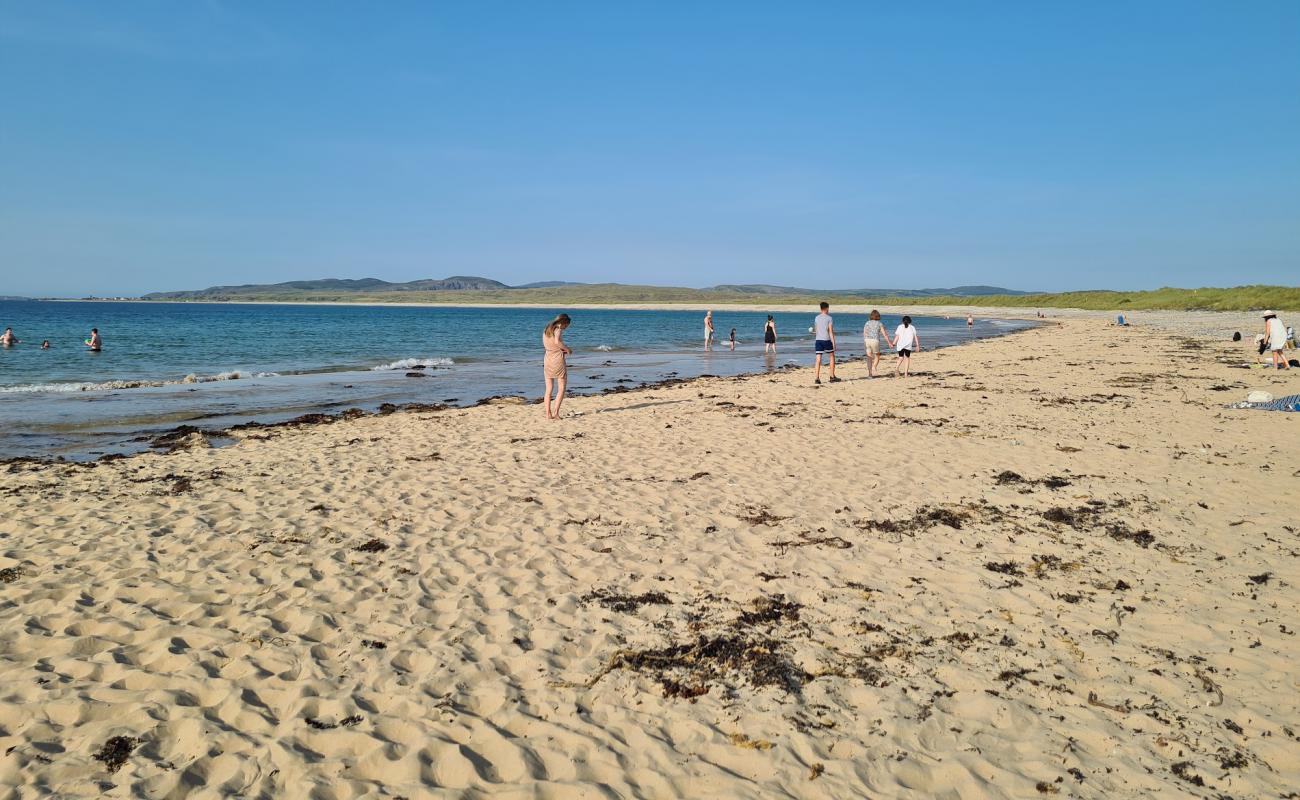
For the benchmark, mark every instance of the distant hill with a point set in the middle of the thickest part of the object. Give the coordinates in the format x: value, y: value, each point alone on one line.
x: 484, y: 291
x: 337, y: 288
x: 332, y: 286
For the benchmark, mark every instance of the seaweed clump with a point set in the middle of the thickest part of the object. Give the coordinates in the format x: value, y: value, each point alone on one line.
x: 116, y: 751
x: 626, y: 603
x: 689, y: 669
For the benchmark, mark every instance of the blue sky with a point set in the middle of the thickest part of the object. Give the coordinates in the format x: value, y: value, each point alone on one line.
x: 1038, y: 145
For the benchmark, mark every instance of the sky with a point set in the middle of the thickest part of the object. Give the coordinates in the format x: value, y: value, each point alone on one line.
x: 150, y: 146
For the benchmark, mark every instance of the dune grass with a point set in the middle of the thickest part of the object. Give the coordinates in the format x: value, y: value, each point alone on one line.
x: 1239, y: 298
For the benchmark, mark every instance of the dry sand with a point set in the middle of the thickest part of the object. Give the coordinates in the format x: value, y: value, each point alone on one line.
x: 727, y: 588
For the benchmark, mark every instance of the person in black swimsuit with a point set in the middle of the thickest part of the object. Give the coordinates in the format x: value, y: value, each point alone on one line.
x: 769, y: 335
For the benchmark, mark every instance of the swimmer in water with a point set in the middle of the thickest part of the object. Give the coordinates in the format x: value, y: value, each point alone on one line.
x: 8, y: 339
x: 94, y: 342
x: 45, y: 345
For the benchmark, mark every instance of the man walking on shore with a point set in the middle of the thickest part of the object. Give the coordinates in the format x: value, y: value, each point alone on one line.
x: 824, y: 342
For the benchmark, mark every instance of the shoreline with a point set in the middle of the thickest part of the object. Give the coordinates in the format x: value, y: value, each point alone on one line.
x: 1200, y: 321
x: 194, y: 432
x: 1039, y: 562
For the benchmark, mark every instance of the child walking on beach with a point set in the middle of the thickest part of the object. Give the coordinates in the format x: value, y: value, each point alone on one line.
x: 906, y: 341
x: 554, y: 367
x: 872, y: 333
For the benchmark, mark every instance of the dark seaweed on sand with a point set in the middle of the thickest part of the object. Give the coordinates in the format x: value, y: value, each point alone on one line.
x: 626, y: 603
x: 371, y: 546
x: 688, y: 669
x: 923, y: 519
x: 10, y: 574
x: 116, y: 751
x: 1006, y: 568
x: 769, y: 610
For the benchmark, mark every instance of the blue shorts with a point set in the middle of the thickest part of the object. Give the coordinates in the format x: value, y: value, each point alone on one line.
x: 823, y: 346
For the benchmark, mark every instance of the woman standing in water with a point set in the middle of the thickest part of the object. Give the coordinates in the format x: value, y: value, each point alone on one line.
x: 769, y: 335
x: 554, y: 366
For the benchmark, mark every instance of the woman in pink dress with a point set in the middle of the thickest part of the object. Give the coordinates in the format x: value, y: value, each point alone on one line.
x: 554, y: 367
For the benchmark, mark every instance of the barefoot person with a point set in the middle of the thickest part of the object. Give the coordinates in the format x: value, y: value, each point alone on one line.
x: 554, y: 366
x: 769, y: 335
x: 94, y: 342
x: 970, y: 322
x: 708, y: 330
x: 906, y: 341
x: 733, y: 338
x: 872, y: 333
x: 1274, y: 334
x: 824, y: 343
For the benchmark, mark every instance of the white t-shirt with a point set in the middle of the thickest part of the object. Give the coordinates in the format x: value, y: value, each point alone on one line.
x: 823, y: 326
x: 905, y: 337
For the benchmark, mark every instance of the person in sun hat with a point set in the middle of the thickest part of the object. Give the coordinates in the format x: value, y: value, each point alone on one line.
x: 1275, y: 335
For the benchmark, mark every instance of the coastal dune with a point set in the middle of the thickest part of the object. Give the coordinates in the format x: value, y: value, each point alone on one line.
x: 1051, y: 563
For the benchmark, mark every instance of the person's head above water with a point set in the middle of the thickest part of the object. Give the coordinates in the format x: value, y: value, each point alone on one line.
x: 562, y: 321
x: 45, y: 345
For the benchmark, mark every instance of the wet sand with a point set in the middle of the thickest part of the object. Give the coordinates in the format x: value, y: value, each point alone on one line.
x: 1052, y: 563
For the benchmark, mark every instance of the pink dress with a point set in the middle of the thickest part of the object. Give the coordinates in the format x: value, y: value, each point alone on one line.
x: 554, y: 365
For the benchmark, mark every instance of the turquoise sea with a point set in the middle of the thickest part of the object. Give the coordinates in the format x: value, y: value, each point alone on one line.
x: 217, y: 364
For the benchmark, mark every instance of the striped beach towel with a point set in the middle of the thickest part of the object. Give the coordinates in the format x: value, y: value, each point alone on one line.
x: 1289, y: 403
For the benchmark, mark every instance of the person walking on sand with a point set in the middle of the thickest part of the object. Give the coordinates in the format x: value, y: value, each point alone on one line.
x: 906, y: 341
x: 8, y: 339
x: 824, y: 342
x: 769, y: 335
x: 1275, y: 335
x: 872, y: 333
x: 94, y: 342
x: 554, y: 367
x: 708, y: 330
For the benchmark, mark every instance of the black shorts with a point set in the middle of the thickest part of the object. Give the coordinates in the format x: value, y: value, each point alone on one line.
x: 905, y: 353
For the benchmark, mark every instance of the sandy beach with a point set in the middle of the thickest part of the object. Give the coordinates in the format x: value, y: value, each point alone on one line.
x: 1048, y: 564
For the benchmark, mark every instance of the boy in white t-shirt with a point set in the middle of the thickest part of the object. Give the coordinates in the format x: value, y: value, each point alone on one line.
x: 906, y: 341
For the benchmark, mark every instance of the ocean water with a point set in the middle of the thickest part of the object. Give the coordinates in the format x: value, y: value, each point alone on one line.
x: 215, y: 364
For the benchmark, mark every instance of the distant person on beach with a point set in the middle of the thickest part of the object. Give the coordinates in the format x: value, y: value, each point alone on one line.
x: 1275, y: 334
x: 708, y: 330
x: 554, y: 367
x: 8, y: 339
x: 824, y: 343
x: 906, y: 341
x: 733, y: 338
x: 872, y: 333
x: 769, y: 335
x: 94, y: 342
x: 45, y: 345
x: 970, y: 322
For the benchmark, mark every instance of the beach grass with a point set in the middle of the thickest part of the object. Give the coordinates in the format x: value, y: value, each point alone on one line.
x: 1238, y: 298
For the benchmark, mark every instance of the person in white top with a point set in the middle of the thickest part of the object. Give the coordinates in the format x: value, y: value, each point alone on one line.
x: 1275, y: 335
x: 906, y: 341
x: 708, y: 330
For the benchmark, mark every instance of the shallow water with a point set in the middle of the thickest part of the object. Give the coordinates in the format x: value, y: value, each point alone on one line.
x: 214, y: 364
